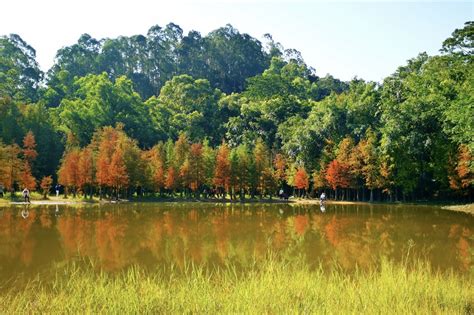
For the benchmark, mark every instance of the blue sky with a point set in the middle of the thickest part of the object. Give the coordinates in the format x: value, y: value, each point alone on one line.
x: 367, y: 39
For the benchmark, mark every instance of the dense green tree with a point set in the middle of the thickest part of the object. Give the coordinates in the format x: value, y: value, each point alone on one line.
x: 10, y: 121
x: 20, y: 75
x: 187, y: 105
x: 79, y: 59
x: 98, y: 102
x: 461, y: 41
x: 37, y: 118
x: 411, y: 119
x: 328, y: 85
x: 232, y: 58
x: 281, y: 92
x: 192, y: 57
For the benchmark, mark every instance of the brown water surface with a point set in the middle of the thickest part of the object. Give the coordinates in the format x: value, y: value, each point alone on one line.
x: 114, y: 237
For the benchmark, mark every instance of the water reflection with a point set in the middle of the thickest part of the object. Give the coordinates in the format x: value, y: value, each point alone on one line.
x: 25, y: 213
x: 151, y: 235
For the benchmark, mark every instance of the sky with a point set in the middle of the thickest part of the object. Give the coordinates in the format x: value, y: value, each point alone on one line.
x: 347, y: 39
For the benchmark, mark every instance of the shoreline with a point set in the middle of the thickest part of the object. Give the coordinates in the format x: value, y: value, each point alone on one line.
x: 466, y: 208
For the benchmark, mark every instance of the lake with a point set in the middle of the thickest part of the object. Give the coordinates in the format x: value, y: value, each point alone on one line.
x: 115, y: 236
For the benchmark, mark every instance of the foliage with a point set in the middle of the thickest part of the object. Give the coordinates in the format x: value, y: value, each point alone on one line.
x: 20, y: 75
x: 301, y: 180
x: 146, y: 113
x: 97, y: 102
x: 187, y: 105
x: 10, y: 166
x: 46, y: 184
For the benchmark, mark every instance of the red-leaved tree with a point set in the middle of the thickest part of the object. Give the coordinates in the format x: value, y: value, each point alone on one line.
x: 301, y: 181
x: 338, y: 175
x: 222, y: 170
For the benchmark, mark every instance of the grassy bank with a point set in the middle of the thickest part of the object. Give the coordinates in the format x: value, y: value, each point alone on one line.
x: 274, y: 287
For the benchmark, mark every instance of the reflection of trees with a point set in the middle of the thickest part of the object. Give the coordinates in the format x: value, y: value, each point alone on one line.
x: 301, y: 224
x: 349, y: 245
x: 239, y: 235
x: 16, y: 239
x: 362, y: 239
x: 463, y: 235
x: 76, y: 234
x: 116, y: 237
x: 26, y: 243
x: 279, y: 234
x: 45, y: 219
x: 111, y: 241
x: 221, y: 230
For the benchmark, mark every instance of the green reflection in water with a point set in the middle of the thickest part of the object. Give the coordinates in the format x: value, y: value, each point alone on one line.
x: 162, y: 235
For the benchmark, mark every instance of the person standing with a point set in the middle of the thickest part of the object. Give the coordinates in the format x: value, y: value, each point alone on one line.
x: 26, y: 195
x: 322, y: 198
x: 57, y: 189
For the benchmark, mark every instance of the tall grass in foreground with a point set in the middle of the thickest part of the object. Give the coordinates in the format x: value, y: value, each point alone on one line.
x: 274, y: 287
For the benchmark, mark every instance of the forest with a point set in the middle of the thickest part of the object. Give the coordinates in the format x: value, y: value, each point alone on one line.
x: 228, y: 116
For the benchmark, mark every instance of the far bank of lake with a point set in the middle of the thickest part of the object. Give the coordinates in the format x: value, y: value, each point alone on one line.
x: 467, y: 208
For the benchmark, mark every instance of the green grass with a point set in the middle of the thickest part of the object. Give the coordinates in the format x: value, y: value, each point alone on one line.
x: 273, y: 287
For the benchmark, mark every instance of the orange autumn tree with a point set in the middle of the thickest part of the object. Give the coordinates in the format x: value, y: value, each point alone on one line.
x: 10, y: 166
x: 345, y: 155
x: 29, y: 147
x: 102, y: 173
x: 68, y: 174
x: 197, y: 167
x: 135, y: 163
x: 185, y: 176
x: 301, y: 181
x: 222, y: 169
x: 26, y: 179
x: 46, y: 184
x: 170, y: 182
x: 155, y: 162
x: 337, y: 175
x: 104, y: 142
x: 86, y: 171
x: 279, y: 163
x: 462, y: 176
x: 29, y: 153
x: 118, y: 178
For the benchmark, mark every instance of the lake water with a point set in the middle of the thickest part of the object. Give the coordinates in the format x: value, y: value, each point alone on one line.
x: 116, y: 236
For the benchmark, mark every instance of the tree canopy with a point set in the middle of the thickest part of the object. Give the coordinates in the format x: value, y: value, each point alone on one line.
x: 227, y: 114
